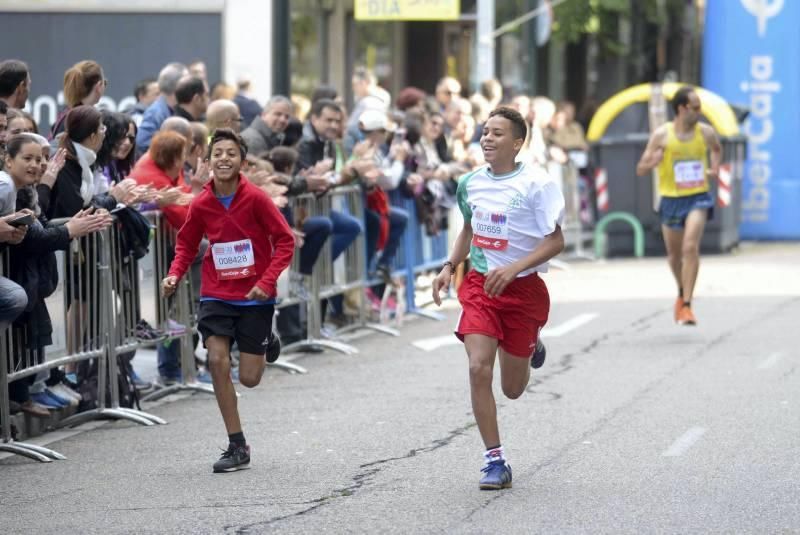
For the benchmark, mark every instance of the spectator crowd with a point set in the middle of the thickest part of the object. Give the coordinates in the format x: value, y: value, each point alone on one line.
x: 97, y: 168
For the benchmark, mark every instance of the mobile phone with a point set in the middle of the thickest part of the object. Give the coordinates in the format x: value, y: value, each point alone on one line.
x: 23, y: 221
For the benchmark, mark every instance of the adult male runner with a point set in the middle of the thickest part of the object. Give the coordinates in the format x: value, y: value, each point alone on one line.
x: 679, y: 150
x: 250, y: 245
x: 512, y: 217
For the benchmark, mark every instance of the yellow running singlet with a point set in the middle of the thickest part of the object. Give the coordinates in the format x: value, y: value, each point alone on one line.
x: 682, y: 171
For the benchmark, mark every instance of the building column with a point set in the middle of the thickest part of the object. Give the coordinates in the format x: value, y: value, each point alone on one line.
x: 249, y: 53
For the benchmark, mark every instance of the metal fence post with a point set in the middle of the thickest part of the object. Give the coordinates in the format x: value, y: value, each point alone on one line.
x: 322, y: 274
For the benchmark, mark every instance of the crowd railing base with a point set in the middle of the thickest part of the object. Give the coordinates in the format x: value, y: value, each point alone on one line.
x: 32, y: 451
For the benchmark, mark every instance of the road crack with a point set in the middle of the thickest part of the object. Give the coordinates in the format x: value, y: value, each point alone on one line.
x: 366, y: 474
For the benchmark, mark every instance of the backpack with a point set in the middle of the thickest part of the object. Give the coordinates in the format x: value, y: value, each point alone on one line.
x: 136, y: 232
x: 87, y: 373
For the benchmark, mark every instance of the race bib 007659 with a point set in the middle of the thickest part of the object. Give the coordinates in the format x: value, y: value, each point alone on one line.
x: 490, y: 230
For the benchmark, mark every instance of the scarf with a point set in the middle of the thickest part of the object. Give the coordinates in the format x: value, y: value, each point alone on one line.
x: 86, y: 158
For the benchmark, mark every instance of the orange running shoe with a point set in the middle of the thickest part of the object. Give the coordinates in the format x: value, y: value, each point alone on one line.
x: 678, y: 307
x: 685, y: 316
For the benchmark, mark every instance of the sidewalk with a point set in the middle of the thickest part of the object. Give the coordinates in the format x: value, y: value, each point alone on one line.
x: 754, y: 269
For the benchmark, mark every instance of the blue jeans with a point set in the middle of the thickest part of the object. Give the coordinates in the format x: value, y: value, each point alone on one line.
x: 13, y: 301
x: 317, y: 229
x: 346, y: 229
x: 398, y: 219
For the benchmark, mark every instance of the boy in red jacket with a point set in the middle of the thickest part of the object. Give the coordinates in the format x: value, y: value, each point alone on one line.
x: 250, y: 245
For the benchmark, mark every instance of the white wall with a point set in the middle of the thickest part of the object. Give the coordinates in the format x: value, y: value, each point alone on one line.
x: 247, y: 44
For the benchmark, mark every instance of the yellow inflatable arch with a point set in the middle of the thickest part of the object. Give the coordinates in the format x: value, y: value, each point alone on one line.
x: 715, y: 109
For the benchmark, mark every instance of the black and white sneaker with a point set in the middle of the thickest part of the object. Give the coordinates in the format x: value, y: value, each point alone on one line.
x: 273, y: 347
x: 233, y: 459
x: 539, y: 353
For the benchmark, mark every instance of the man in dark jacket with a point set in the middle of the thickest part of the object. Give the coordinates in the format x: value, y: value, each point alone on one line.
x: 192, y: 98
x: 318, y: 148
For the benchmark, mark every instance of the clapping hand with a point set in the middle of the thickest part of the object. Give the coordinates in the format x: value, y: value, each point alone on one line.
x: 54, y: 166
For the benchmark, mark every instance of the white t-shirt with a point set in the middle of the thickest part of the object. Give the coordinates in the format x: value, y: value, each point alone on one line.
x: 510, y: 214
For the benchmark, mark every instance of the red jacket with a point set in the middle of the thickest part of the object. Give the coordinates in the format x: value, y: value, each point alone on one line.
x: 147, y: 173
x: 252, y: 215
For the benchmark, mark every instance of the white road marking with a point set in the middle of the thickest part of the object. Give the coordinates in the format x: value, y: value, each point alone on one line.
x: 567, y: 326
x: 684, y: 442
x: 429, y: 344
x: 770, y: 361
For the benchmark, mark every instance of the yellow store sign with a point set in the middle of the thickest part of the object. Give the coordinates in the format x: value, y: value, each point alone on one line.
x: 407, y: 9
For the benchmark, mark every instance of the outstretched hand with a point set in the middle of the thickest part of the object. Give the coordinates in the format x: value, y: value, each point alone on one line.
x: 169, y: 285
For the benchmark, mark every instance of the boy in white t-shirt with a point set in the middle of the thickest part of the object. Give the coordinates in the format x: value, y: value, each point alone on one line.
x: 512, y: 217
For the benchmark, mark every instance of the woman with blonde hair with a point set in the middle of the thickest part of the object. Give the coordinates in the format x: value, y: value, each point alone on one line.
x: 84, y: 84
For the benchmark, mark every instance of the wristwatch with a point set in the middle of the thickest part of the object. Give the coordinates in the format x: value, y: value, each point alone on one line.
x: 450, y: 265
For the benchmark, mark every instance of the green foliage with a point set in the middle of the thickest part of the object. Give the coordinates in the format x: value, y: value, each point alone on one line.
x: 575, y: 18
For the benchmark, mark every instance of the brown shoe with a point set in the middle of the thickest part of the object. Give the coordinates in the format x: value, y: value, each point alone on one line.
x: 678, y: 307
x: 34, y: 409
x: 685, y: 316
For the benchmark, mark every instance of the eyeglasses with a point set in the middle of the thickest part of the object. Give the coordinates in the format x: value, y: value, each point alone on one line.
x: 105, y: 82
x: 238, y: 119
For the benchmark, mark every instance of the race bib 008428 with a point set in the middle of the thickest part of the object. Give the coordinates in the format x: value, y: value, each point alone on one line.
x: 234, y: 260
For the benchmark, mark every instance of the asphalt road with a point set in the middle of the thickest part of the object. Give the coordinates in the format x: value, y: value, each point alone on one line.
x: 634, y: 425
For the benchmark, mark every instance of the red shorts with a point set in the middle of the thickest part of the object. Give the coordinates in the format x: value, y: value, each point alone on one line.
x: 514, y: 318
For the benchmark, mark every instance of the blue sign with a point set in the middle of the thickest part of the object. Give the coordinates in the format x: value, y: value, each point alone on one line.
x: 750, y: 57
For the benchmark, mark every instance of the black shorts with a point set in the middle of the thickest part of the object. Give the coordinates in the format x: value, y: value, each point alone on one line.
x: 249, y: 326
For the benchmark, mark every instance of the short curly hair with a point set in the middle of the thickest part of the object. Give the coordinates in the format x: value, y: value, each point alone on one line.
x: 223, y: 134
x: 518, y: 125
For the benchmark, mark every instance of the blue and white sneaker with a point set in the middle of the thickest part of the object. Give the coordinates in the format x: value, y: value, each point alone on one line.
x: 539, y: 354
x: 498, y: 476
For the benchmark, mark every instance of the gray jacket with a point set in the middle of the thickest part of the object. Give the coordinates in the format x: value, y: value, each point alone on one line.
x: 260, y: 138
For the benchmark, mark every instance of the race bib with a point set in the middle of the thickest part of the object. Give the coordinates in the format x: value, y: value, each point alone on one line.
x: 489, y: 230
x: 234, y: 260
x: 689, y: 174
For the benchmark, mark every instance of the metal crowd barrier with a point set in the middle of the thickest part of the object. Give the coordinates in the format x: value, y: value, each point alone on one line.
x: 91, y: 303
x: 179, y: 308
x: 418, y: 253
x: 326, y: 281
x: 575, y: 237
